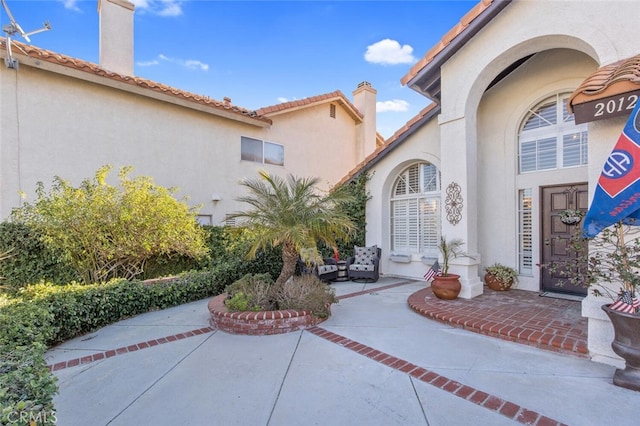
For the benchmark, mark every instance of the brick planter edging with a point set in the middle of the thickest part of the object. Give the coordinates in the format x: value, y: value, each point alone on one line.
x: 258, y: 323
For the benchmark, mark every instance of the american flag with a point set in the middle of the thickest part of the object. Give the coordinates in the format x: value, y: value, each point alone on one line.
x: 626, y: 303
x: 433, y: 271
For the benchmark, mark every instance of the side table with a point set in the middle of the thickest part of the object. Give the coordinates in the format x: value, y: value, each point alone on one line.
x: 342, y: 271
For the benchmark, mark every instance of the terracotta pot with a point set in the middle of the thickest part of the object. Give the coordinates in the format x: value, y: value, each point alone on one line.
x: 494, y: 284
x: 446, y: 287
x: 626, y: 343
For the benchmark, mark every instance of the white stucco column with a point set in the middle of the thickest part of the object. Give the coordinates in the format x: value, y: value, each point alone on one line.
x: 364, y: 98
x: 603, y: 136
x: 458, y: 169
x: 599, y: 331
x: 116, y: 35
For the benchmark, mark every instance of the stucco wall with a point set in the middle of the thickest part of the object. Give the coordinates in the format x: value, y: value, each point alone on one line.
x: 423, y: 145
x: 477, y: 129
x: 317, y: 144
x: 500, y: 116
x: 526, y: 27
x: 69, y: 128
x: 53, y: 124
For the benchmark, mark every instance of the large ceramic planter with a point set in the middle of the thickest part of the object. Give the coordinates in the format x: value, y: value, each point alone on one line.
x: 626, y: 343
x: 495, y: 284
x: 446, y: 287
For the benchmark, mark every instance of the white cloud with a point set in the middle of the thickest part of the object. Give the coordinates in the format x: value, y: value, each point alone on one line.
x: 191, y: 64
x: 282, y: 99
x: 71, y: 5
x: 159, y: 7
x: 396, y: 105
x: 389, y: 52
x: 148, y: 63
x: 194, y: 65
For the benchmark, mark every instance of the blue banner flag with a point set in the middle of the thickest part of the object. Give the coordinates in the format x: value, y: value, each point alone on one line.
x: 617, y: 196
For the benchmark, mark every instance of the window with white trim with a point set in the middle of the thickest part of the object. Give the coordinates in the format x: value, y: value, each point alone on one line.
x: 204, y: 219
x: 525, y: 232
x: 549, y: 139
x: 261, y: 151
x: 415, y: 210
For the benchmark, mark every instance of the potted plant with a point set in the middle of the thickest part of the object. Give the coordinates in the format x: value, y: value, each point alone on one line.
x: 571, y: 216
x: 446, y: 285
x: 613, y: 271
x: 500, y: 277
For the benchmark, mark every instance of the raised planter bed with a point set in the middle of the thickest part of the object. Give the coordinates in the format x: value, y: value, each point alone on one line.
x: 258, y: 323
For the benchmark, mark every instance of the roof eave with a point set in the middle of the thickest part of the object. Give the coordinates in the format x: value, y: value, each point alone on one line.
x: 137, y: 86
x: 427, y: 79
x: 292, y: 106
x: 393, y: 143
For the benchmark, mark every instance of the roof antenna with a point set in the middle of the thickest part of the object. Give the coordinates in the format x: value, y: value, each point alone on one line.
x: 11, y: 29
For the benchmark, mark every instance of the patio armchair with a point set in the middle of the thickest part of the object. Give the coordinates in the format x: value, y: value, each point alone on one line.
x: 326, y: 272
x: 364, y: 264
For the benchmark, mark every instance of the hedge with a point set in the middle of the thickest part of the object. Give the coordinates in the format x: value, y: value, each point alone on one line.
x: 29, y: 261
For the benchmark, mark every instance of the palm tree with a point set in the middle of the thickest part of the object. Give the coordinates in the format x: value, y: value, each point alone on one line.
x: 291, y: 213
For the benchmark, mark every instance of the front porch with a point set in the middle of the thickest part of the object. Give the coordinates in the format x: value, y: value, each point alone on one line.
x: 516, y: 315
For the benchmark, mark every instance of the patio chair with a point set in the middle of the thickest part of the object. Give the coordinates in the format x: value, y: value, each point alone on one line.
x: 327, y: 272
x: 364, y: 264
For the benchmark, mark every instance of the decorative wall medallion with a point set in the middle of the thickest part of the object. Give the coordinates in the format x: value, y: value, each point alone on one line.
x: 453, y: 203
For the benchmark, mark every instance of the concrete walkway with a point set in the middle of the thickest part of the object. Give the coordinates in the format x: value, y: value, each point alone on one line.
x: 374, y: 362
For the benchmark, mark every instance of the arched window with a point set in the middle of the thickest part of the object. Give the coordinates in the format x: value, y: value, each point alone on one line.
x: 549, y: 139
x: 415, y: 210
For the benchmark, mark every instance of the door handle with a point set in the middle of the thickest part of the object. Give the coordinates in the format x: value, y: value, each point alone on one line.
x: 546, y: 242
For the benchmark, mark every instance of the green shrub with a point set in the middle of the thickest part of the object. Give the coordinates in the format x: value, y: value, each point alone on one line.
x: 26, y: 386
x: 166, y: 266
x: 28, y: 260
x: 255, y: 292
x: 307, y: 292
x: 77, y: 309
x: 110, y: 231
x: 240, y: 302
x: 230, y: 247
x: 22, y: 323
x: 252, y: 292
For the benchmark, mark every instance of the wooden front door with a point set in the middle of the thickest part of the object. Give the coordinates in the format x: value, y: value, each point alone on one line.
x: 556, y: 235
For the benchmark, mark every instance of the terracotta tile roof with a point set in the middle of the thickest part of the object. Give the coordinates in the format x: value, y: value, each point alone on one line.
x: 452, y: 34
x: 336, y: 96
x: 396, y: 139
x: 91, y: 68
x: 613, y: 79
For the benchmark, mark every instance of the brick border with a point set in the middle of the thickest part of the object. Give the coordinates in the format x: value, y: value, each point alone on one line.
x: 501, y: 406
x: 258, y: 323
x: 551, y: 337
x: 126, y: 349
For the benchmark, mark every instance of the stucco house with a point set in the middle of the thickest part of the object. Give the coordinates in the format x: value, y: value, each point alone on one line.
x: 67, y: 117
x: 497, y: 155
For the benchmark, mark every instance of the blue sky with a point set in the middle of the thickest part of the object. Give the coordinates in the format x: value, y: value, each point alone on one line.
x: 260, y: 53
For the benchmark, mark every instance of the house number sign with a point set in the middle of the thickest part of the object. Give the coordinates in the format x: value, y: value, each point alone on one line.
x: 612, y: 106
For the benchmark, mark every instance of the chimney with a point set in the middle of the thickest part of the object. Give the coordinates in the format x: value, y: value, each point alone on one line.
x: 364, y: 99
x: 116, y: 35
